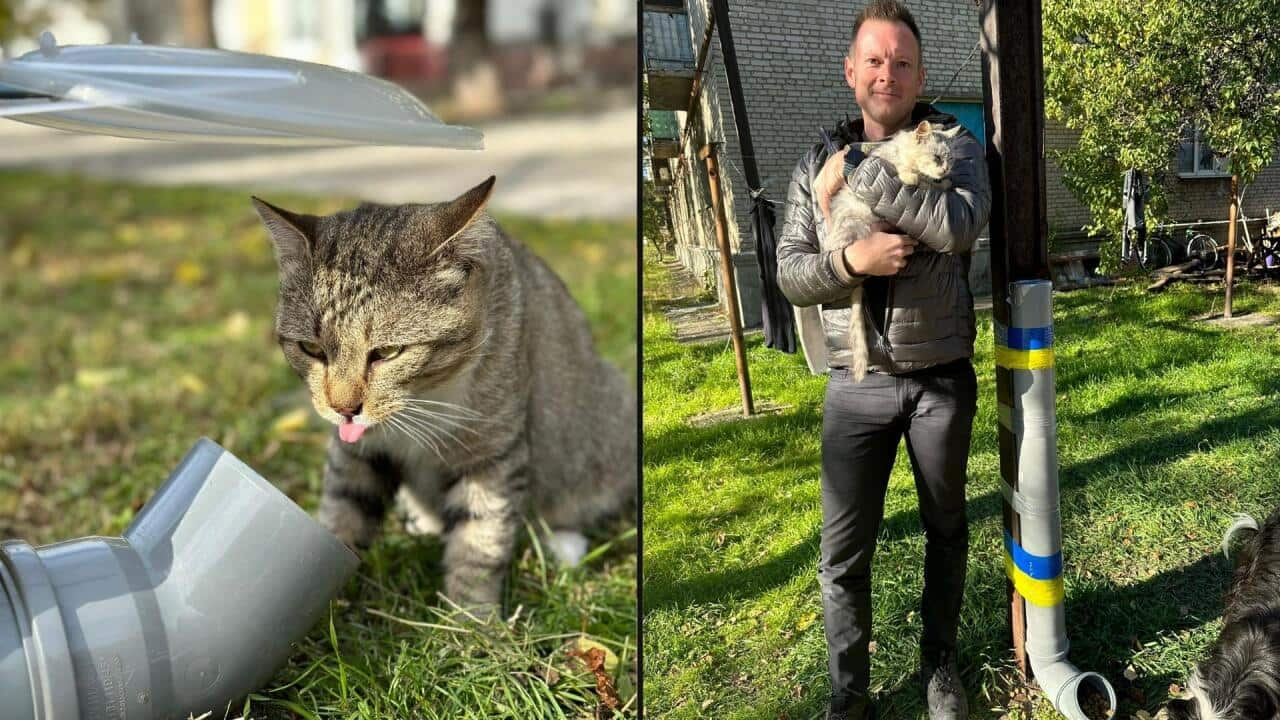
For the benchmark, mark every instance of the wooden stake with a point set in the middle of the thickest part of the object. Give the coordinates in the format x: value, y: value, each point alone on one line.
x: 708, y: 153
x: 1013, y: 84
x: 1231, y: 244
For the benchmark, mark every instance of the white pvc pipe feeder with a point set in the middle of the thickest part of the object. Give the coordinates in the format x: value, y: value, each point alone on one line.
x: 1033, y: 561
x: 197, y: 605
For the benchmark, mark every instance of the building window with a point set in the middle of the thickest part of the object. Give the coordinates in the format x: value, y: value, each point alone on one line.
x: 1197, y: 159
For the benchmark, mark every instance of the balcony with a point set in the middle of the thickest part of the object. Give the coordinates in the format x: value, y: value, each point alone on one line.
x: 664, y: 135
x: 662, y: 174
x: 668, y: 59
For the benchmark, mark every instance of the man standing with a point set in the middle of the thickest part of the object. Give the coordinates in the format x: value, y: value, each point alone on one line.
x: 919, y: 322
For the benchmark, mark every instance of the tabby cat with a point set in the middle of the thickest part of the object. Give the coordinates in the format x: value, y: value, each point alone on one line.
x: 920, y: 155
x: 457, y: 370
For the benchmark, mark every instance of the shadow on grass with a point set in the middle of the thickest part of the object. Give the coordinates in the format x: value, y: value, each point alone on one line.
x: 1179, y: 342
x: 770, y: 438
x: 770, y: 455
x: 1105, y: 625
x: 1154, y: 449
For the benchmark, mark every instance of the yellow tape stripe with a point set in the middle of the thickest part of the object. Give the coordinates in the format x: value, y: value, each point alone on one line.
x: 1045, y: 593
x: 1024, y: 359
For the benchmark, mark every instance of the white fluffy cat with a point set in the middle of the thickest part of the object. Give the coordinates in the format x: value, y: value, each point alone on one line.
x: 921, y: 155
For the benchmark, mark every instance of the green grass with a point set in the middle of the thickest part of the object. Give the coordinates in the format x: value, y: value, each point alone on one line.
x: 1167, y: 426
x: 138, y: 319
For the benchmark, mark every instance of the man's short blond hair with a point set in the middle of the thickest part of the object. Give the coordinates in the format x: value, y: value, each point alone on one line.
x: 892, y: 11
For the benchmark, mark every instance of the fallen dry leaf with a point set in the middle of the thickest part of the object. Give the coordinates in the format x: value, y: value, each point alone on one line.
x: 94, y: 378
x: 290, y: 422
x: 594, y: 660
x: 188, y: 273
x: 585, y: 644
x: 192, y: 384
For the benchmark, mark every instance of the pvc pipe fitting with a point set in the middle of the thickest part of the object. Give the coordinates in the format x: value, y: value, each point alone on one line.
x: 195, y: 607
x: 1034, y: 560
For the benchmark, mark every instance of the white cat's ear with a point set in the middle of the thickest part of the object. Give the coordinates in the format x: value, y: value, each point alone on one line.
x: 952, y: 132
x: 291, y: 233
x: 922, y: 130
x: 463, y: 210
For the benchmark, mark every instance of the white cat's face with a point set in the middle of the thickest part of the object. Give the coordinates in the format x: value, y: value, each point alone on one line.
x: 931, y: 151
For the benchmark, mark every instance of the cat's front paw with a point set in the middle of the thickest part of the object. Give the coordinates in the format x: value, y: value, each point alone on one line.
x: 477, y: 611
x: 568, y: 547
x: 349, y: 525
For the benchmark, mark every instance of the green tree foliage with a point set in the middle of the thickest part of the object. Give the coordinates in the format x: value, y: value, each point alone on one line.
x: 20, y: 18
x: 1132, y: 77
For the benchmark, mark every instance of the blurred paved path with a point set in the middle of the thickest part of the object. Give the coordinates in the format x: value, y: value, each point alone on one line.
x: 552, y: 166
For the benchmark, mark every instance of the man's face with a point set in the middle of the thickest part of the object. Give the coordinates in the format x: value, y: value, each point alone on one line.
x: 883, y: 67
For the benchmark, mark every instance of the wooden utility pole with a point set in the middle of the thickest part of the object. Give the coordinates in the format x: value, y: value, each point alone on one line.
x: 1231, y: 242
x: 1013, y: 84
x: 708, y: 153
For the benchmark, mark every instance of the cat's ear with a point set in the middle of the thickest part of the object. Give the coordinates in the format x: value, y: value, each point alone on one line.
x: 952, y: 132
x: 455, y: 216
x: 291, y: 233
x: 922, y: 130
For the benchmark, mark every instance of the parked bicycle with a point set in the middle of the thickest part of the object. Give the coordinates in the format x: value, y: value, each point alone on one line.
x: 1162, y: 248
x: 1252, y: 251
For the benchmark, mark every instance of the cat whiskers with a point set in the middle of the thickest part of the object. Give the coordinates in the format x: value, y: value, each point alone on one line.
x: 435, y: 429
x: 414, y: 434
x: 461, y: 411
x: 433, y: 423
x: 429, y: 417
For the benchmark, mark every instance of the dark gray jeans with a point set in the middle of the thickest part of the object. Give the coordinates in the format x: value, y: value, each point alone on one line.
x: 861, y: 426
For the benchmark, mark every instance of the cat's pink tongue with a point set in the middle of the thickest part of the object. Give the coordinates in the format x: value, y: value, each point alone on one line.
x: 351, y: 432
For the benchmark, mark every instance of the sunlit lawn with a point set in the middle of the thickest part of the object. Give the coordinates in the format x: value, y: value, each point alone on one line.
x: 1167, y: 426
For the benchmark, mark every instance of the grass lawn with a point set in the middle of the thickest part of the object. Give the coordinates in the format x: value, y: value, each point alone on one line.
x: 139, y: 319
x: 1167, y: 426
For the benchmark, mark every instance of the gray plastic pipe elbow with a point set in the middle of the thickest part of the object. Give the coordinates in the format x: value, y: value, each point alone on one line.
x: 195, y: 607
x: 1033, y: 560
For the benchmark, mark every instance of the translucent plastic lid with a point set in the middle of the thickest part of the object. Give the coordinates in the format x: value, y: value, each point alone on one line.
x: 172, y: 93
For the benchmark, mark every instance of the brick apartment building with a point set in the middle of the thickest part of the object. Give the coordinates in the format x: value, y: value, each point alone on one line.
x: 789, y: 56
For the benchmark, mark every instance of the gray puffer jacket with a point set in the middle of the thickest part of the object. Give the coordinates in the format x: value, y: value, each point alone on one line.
x: 923, y: 315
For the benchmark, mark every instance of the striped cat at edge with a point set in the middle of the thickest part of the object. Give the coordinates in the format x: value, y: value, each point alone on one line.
x: 459, y: 373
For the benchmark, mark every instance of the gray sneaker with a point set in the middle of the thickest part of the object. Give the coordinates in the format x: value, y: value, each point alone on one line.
x: 835, y: 713
x: 942, y: 688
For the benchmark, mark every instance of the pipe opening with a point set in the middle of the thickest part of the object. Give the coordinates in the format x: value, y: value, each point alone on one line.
x: 1095, y: 699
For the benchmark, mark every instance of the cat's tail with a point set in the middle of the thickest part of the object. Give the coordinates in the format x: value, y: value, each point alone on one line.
x: 857, y: 337
x: 1243, y: 523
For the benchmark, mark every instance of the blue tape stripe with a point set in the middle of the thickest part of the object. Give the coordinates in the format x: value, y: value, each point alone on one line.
x: 1035, y: 566
x: 1030, y: 338
x: 1040, y: 338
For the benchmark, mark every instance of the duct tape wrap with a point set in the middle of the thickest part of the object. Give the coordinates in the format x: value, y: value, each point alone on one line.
x: 1038, y: 578
x: 1024, y: 348
x: 1033, y: 560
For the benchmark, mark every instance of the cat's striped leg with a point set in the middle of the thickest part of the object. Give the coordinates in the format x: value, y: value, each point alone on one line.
x: 357, y: 493
x: 482, y: 514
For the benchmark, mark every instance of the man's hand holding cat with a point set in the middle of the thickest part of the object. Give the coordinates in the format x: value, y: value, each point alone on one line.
x: 880, y: 253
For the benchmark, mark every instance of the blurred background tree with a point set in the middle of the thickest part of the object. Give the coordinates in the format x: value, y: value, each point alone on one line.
x: 19, y: 18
